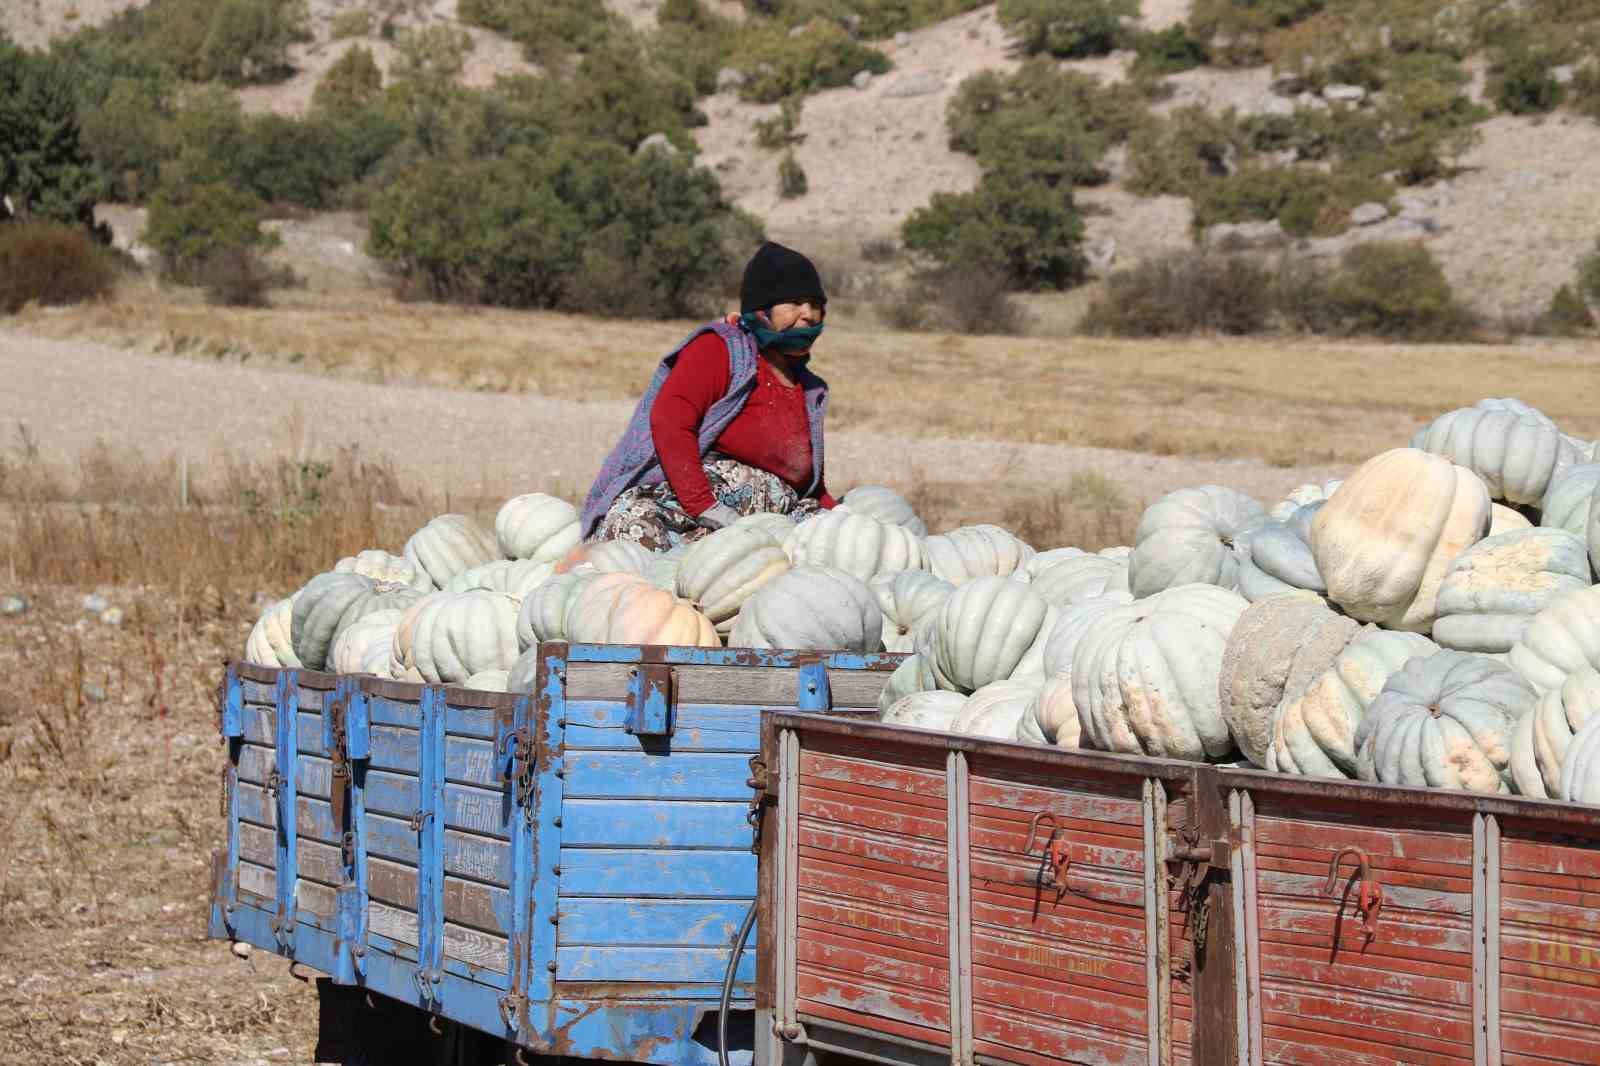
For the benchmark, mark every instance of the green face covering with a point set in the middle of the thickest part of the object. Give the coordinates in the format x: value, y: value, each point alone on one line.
x: 793, y: 341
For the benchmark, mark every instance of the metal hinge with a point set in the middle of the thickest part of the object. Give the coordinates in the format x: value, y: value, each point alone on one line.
x: 1197, y: 860
x: 339, y: 785
x: 516, y: 746
x: 760, y: 784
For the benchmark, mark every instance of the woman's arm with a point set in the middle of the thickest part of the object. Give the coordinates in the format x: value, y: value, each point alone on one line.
x: 699, y: 379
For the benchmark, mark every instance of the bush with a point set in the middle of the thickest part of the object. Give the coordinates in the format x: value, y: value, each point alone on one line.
x: 43, y: 168
x: 1259, y: 194
x: 1071, y: 30
x: 822, y: 56
x: 190, y: 228
x: 353, y: 81
x: 544, y: 28
x: 957, y: 299
x: 1168, y: 51
x: 50, y: 264
x: 1566, y: 316
x: 692, y: 42
x: 1028, y: 232
x: 357, y: 23
x: 791, y: 177
x: 1236, y: 29
x: 778, y: 131
x: 865, y: 18
x: 128, y: 136
x: 1521, y: 82
x: 1176, y: 155
x: 1184, y: 292
x: 1396, y: 289
x: 248, y: 40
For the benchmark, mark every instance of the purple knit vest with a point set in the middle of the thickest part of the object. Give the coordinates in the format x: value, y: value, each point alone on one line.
x: 633, y: 461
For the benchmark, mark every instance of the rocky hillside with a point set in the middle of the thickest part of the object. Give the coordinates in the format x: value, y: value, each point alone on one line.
x: 1507, y: 225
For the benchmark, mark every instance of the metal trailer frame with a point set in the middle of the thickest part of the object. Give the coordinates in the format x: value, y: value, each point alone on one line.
x: 932, y: 898
x: 563, y: 869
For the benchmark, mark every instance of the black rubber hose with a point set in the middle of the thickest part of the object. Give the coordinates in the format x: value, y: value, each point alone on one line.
x: 727, y: 983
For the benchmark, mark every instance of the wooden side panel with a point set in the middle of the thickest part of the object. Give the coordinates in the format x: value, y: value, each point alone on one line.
x: 872, y: 896
x: 1549, y: 946
x: 1181, y: 929
x: 1063, y: 978
x: 1329, y: 993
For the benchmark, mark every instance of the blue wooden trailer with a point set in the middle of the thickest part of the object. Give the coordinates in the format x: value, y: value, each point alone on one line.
x: 566, y: 870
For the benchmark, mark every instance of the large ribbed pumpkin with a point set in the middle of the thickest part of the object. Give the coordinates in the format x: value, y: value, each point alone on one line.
x: 644, y: 614
x: 985, y: 631
x: 1079, y: 578
x: 1515, y: 455
x: 515, y: 578
x: 858, y: 544
x: 995, y: 709
x: 936, y: 709
x: 1503, y: 519
x: 271, y: 641
x: 1051, y: 717
x: 1384, y: 541
x: 1543, y: 739
x: 363, y: 646
x: 1563, y: 637
x: 906, y: 599
x: 383, y: 567
x: 449, y: 544
x: 1187, y: 537
x: 1491, y: 593
x: 886, y: 505
x: 1566, y: 501
x: 810, y: 608
x: 1278, y: 646
x: 537, y: 527
x: 1580, y: 772
x: 777, y: 526
x: 459, y: 634
x: 607, y: 557
x: 912, y: 675
x: 1315, y: 730
x: 328, y: 602
x: 543, y: 614
x: 1444, y: 722
x: 1145, y: 675
x: 588, y: 618
x: 720, y: 572
x: 1594, y: 530
x: 1275, y: 557
x: 1302, y: 496
x: 975, y: 551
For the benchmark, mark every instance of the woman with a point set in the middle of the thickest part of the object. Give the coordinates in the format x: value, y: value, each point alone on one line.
x: 731, y: 424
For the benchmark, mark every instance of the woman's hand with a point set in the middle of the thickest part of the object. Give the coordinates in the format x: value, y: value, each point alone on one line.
x: 718, y: 516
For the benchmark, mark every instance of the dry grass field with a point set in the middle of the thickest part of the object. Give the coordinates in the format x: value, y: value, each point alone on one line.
x: 108, y: 756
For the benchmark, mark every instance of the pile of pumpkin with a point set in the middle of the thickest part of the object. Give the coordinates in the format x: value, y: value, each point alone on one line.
x: 1432, y: 620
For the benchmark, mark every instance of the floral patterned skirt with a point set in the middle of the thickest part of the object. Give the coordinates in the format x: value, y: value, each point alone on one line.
x: 651, y: 514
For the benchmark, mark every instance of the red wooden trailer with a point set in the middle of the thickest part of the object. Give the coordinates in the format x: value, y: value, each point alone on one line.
x: 941, y: 899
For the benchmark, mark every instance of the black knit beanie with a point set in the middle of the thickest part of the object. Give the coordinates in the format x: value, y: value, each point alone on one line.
x: 777, y: 275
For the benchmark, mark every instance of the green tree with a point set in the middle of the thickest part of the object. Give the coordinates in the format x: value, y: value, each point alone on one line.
x: 248, y: 40
x: 191, y: 227
x: 353, y: 81
x: 1069, y: 29
x: 1029, y: 231
x: 44, y: 170
x: 129, y: 135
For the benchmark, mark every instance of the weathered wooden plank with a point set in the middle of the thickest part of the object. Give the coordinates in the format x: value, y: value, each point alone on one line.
x: 861, y: 1003
x: 1381, y: 843
x: 469, y: 903
x: 467, y: 760
x: 258, y: 692
x: 258, y: 881
x: 255, y: 806
x: 638, y: 775
x: 465, y: 854
x: 758, y: 686
x: 828, y: 768
x: 260, y: 724
x: 311, y: 697
x: 474, y: 810
x: 383, y: 710
x: 883, y: 849
x: 655, y: 824
x: 318, y: 899
x: 678, y: 965
x: 309, y: 733
x: 477, y: 722
x: 483, y: 950
x: 1395, y: 896
x: 255, y: 763
x: 843, y: 881
x: 649, y: 922
x: 258, y: 845
x: 657, y: 874
x: 1010, y: 1038
x: 695, y: 727
x: 876, y: 925
x: 878, y: 812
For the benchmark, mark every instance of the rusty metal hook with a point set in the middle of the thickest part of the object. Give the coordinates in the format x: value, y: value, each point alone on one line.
x: 433, y: 1025
x: 1054, y: 855
x: 1370, y: 900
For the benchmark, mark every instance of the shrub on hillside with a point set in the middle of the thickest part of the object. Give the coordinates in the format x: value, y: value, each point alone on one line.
x: 1181, y: 293
x: 1168, y: 51
x: 1521, y: 80
x: 1028, y: 232
x: 791, y: 177
x: 1396, y: 289
x: 1071, y: 30
x: 957, y: 299
x: 865, y: 18
x: 190, y: 227
x: 127, y: 136
x: 353, y: 81
x: 1174, y: 156
x: 544, y: 28
x: 1304, y: 201
x: 1588, y: 280
x: 819, y: 54
x: 1566, y: 316
x: 1235, y: 29
x: 693, y: 42
x: 50, y: 264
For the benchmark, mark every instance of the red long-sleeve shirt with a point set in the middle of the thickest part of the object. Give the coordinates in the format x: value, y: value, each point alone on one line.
x: 771, y: 433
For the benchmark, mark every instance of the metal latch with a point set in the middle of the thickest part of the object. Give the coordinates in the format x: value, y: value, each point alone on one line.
x: 1369, y: 899
x: 1197, y: 858
x: 1054, y: 854
x: 339, y: 785
x: 651, y: 692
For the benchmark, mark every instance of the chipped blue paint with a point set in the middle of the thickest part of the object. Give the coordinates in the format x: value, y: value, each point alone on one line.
x: 642, y: 775
x: 650, y: 874
x: 429, y: 822
x: 232, y: 706
x: 649, y: 704
x: 647, y: 823
x: 695, y: 727
x: 286, y: 778
x: 689, y: 923
x: 519, y: 823
x: 813, y: 691
x: 549, y: 729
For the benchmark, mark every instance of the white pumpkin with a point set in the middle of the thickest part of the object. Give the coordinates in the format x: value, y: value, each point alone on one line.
x: 588, y: 618
x: 1527, y: 410
x: 664, y: 566
x: 1444, y: 722
x: 1580, y: 773
x: 329, y: 602
x: 488, y: 681
x: 1566, y: 501
x: 364, y: 643
x: 1385, y: 540
x: 644, y: 614
x: 776, y: 526
x: 383, y: 567
x: 906, y: 598
x: 975, y: 551
x: 810, y: 608
x: 1515, y: 455
x: 1503, y: 519
x: 855, y: 543
x: 1563, y: 637
x: 1491, y: 593
x: 524, y: 672
x: 448, y: 545
x: 1594, y: 530
x: 1051, y: 716
x: 460, y: 634
x: 1275, y: 557
x: 1145, y: 676
x: 543, y: 614
x: 1187, y: 537
x: 1277, y: 646
x: 1302, y: 496
x: 515, y: 578
x: 1314, y: 733
x: 925, y: 710
x: 987, y: 630
x: 720, y: 572
x: 1080, y: 578
x: 402, y: 653
x: 271, y: 640
x: 1540, y: 747
x: 912, y: 675
x: 886, y: 505
x: 607, y: 557
x: 995, y: 709
x: 536, y: 527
